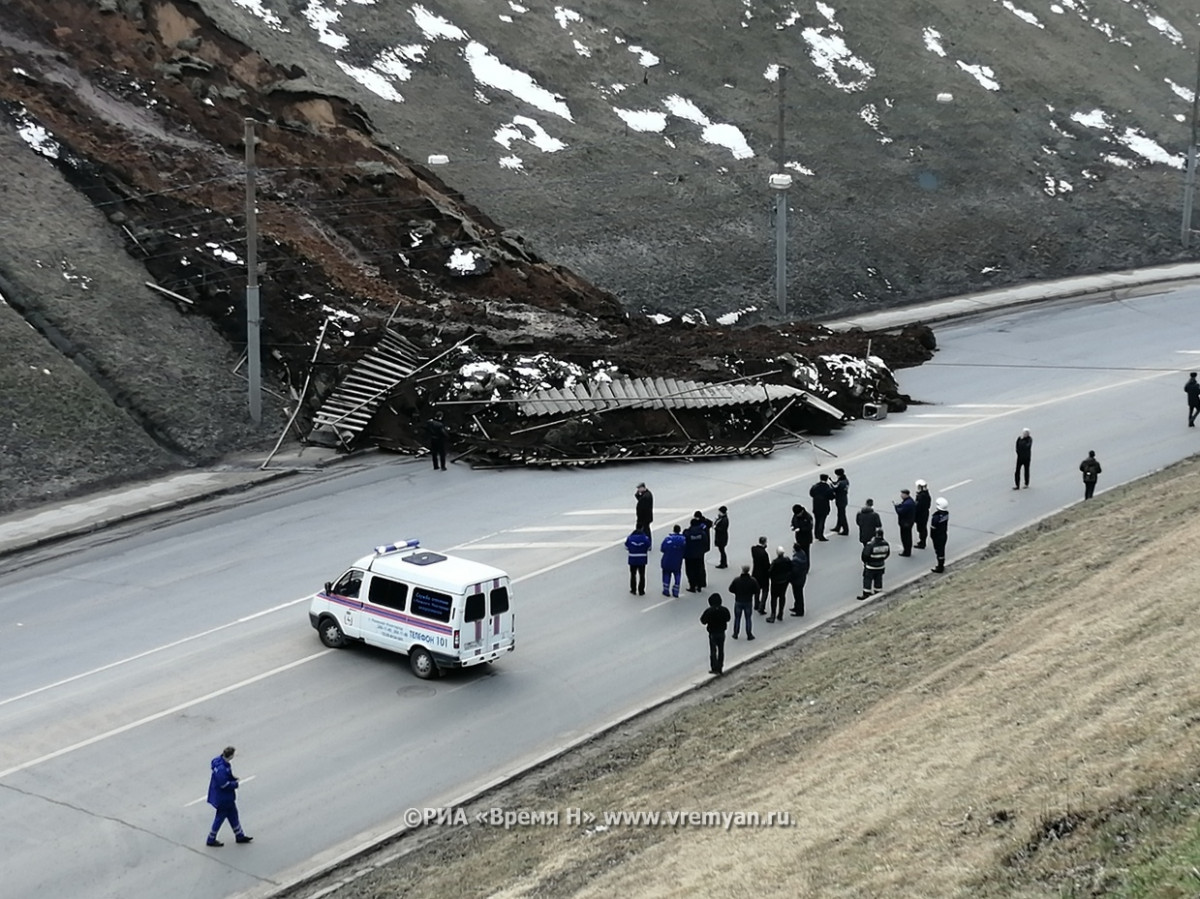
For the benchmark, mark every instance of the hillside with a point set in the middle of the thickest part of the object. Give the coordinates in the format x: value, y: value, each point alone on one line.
x: 1022, y: 726
x: 606, y: 162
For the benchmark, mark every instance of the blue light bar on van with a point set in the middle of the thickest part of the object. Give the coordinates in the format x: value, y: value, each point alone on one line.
x: 396, y: 547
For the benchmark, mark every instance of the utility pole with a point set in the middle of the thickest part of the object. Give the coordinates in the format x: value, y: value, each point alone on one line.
x: 1189, y: 184
x: 253, y: 323
x: 780, y: 182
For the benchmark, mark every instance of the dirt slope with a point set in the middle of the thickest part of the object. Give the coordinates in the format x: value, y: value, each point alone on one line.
x: 1022, y: 726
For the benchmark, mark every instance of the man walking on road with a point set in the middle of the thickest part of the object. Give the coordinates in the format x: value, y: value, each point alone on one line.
x: 1091, y: 473
x: 906, y: 516
x: 1024, y: 457
x: 841, y: 496
x: 874, y: 556
x: 435, y: 433
x: 938, y: 528
x: 222, y: 795
x: 715, y: 618
x: 822, y: 499
x: 672, y: 560
x: 1193, y: 394
x: 799, y: 579
x: 744, y: 588
x: 721, y: 535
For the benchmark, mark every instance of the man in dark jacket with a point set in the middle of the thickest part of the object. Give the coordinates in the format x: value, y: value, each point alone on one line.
x: 672, y: 560
x: 802, y: 527
x: 924, y: 500
x: 906, y: 517
x: 637, y: 545
x: 841, y: 496
x: 822, y: 500
x: 780, y: 576
x: 868, y: 522
x: 436, y: 434
x: 721, y: 535
x: 799, y: 579
x: 761, y: 561
x: 874, y: 555
x: 1091, y: 473
x: 693, y: 553
x: 744, y: 588
x: 1024, y: 457
x: 1192, y: 388
x: 938, y: 529
x: 715, y: 618
x: 222, y: 795
x: 644, y: 510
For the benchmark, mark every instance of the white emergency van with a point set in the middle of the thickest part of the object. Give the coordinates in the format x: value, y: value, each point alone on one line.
x: 439, y: 610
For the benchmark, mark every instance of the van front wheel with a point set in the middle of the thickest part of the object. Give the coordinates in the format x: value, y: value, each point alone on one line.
x: 422, y: 663
x: 331, y: 634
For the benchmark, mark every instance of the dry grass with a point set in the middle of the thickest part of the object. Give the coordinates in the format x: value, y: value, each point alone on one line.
x: 1021, y: 727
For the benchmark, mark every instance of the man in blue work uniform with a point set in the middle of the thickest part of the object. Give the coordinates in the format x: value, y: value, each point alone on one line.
x: 672, y: 560
x: 637, y: 545
x: 222, y: 795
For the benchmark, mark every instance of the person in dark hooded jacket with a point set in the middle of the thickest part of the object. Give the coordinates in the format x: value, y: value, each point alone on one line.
x: 222, y: 795
x: 698, y: 542
x: 868, y: 522
x: 802, y: 527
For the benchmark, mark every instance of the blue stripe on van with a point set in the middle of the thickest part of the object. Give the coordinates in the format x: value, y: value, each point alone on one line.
x: 390, y: 614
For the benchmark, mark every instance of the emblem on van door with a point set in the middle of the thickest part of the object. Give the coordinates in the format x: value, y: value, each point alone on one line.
x: 349, y: 618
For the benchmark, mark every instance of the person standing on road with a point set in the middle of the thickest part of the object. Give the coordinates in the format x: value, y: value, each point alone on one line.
x: 924, y: 500
x: 802, y: 527
x: 822, y: 499
x: 780, y: 575
x: 868, y: 522
x: 436, y: 434
x: 706, y: 546
x: 637, y: 545
x: 721, y: 535
x: 672, y: 560
x: 906, y: 517
x: 644, y: 509
x: 761, y: 573
x: 693, y: 554
x: 1024, y: 457
x: 939, y: 525
x: 716, y: 619
x: 222, y: 795
x: 874, y: 557
x: 1091, y: 473
x: 744, y: 589
x: 799, y: 579
x: 1193, y: 394
x: 841, y: 496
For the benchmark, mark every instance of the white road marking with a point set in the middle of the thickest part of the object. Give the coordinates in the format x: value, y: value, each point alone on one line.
x: 566, y: 527
x: 150, y: 652
x: 664, y: 602
x: 912, y: 425
x: 946, y: 414
x: 564, y: 544
x: 959, y: 484
x: 658, y: 510
x: 158, y: 716
x: 983, y: 406
x: 241, y: 780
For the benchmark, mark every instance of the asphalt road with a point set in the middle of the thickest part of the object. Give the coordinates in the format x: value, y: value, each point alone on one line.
x: 127, y: 666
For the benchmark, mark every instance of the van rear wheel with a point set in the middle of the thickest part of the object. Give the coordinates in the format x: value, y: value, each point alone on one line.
x: 422, y: 663
x: 331, y: 633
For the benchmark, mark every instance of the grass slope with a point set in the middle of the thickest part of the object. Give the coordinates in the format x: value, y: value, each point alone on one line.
x: 1023, y: 726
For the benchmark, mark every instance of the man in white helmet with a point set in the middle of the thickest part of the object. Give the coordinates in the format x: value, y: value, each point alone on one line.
x: 937, y: 530
x: 923, y: 500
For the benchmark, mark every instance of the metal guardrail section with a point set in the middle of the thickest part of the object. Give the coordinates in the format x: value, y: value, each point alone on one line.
x: 352, y: 404
x: 662, y: 393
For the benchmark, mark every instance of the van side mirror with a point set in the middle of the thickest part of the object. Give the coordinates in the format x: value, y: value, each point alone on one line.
x: 329, y: 586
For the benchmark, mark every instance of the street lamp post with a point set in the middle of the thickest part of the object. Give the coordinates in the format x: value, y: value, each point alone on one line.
x: 1189, y: 184
x: 780, y: 183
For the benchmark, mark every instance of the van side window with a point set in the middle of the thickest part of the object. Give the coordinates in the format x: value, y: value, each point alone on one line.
x: 499, y: 600
x: 349, y: 584
x: 430, y: 604
x: 388, y: 593
x: 475, y: 608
